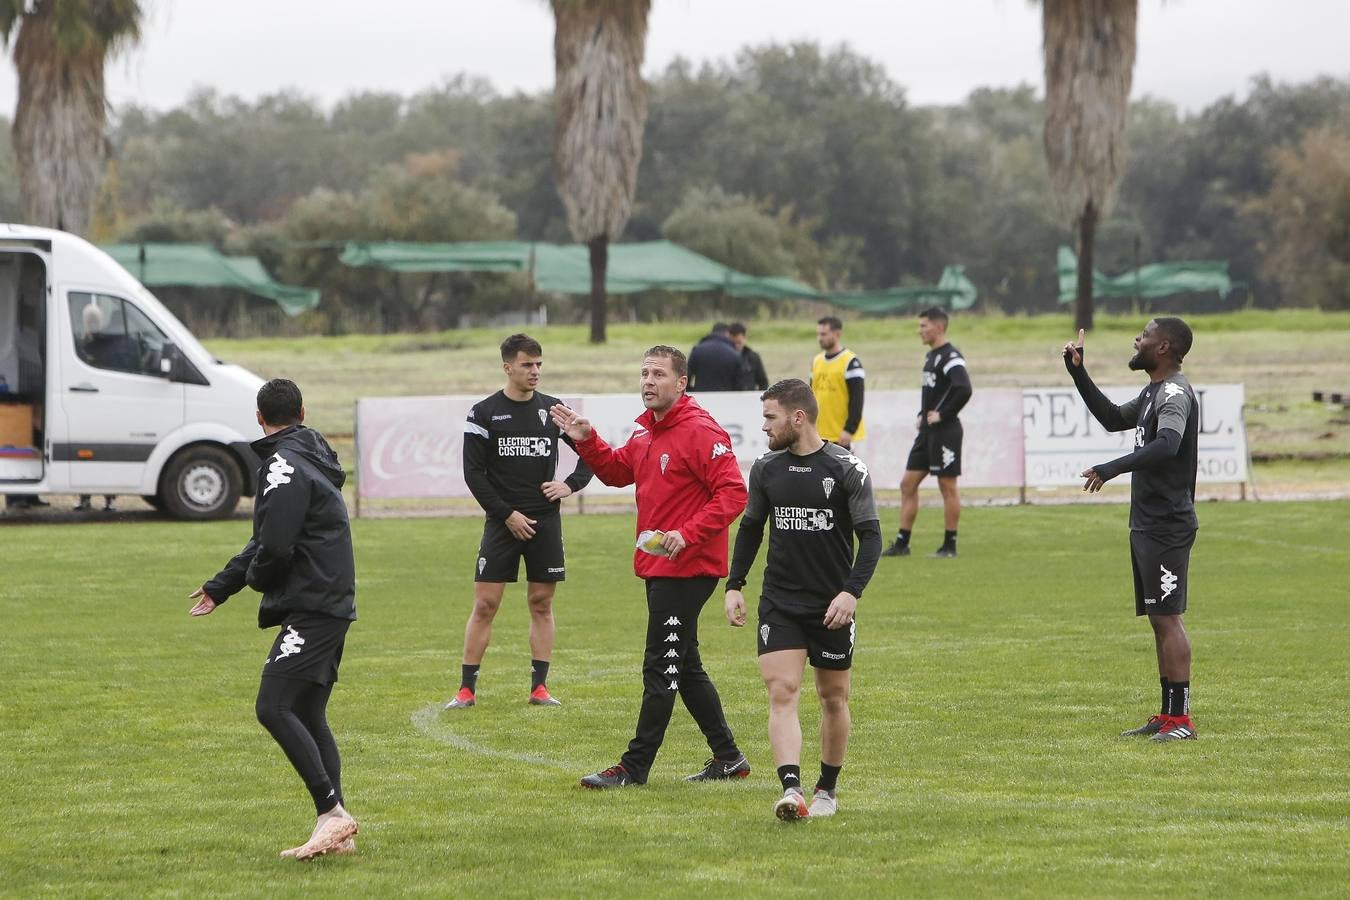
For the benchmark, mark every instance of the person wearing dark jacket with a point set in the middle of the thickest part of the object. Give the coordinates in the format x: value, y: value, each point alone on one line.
x: 715, y: 363
x: 689, y: 491
x: 300, y: 559
x: 753, y: 376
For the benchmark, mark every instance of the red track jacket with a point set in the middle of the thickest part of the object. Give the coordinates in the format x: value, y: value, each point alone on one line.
x: 687, y: 480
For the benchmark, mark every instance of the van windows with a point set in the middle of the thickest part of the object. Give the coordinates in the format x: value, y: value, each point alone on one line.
x: 111, y: 333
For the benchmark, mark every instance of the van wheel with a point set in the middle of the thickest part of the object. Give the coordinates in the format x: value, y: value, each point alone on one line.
x: 201, y: 483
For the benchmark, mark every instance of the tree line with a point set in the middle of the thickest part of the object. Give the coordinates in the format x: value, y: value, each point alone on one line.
x: 787, y: 160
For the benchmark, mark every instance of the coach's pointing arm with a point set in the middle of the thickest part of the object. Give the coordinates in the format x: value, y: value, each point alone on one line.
x: 1112, y: 417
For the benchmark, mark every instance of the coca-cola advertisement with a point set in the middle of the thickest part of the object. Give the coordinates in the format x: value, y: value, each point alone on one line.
x: 411, y: 446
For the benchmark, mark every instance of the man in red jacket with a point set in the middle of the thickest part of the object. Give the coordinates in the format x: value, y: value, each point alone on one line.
x: 689, y: 491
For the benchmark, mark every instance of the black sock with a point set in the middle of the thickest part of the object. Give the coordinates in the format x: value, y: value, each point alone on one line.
x: 829, y: 777
x: 1178, y: 698
x: 468, y: 677
x: 538, y: 672
x: 791, y: 776
x: 949, y: 540
x: 1163, y: 679
x: 903, y: 537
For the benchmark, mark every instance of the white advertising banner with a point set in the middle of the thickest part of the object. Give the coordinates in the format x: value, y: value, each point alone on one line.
x: 1061, y: 438
x: 413, y: 446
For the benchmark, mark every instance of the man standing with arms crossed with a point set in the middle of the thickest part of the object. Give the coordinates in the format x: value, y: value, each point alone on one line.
x: 837, y: 380
x: 1166, y: 422
x: 300, y: 558
x: 510, y: 460
x: 689, y: 491
x: 937, y: 449
x: 815, y: 496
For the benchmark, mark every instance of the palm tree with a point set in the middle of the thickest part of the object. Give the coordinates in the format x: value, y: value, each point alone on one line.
x: 601, y: 106
x: 59, y: 50
x: 1089, y: 64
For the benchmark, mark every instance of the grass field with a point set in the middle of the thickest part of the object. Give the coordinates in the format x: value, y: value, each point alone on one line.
x: 987, y: 695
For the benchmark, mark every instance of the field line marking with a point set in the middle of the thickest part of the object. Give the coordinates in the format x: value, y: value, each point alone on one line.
x: 427, y: 721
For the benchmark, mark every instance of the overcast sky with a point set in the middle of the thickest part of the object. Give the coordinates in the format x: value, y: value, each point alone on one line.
x: 1190, y: 51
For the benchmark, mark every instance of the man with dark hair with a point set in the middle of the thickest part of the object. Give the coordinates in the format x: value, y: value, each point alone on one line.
x: 715, y: 363
x: 1166, y: 422
x: 510, y: 464
x: 689, y: 491
x: 300, y: 558
x: 815, y: 496
x: 753, y: 376
x: 837, y: 381
x: 937, y: 449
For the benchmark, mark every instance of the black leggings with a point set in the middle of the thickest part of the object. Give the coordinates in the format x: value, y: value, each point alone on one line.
x: 295, y: 713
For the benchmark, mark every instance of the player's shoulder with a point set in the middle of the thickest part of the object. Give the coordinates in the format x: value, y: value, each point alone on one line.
x: 954, y: 352
x: 769, y: 459
x: 854, y: 361
x: 843, y: 461
x: 1176, y: 386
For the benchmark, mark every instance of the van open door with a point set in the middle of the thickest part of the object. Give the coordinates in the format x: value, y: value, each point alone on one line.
x: 23, y: 370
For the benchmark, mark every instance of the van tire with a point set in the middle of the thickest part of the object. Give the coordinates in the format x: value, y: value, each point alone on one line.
x: 201, y: 482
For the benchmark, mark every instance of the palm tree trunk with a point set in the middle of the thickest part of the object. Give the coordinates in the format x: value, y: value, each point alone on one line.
x: 599, y: 252
x: 1087, y: 234
x: 58, y: 125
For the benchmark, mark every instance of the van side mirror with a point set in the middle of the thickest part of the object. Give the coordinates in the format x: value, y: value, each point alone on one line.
x: 174, y: 366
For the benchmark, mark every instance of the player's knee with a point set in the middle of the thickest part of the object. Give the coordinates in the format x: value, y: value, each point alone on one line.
x: 782, y: 691
x: 541, y: 604
x: 486, y: 608
x: 834, y: 702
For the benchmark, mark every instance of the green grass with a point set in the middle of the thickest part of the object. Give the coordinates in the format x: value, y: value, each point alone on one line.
x: 987, y: 694
x: 1281, y: 357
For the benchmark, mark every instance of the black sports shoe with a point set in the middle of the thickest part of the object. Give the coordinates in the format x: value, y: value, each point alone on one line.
x: 1151, y: 727
x: 722, y: 769
x: 945, y: 553
x: 614, y: 776
x: 896, y: 549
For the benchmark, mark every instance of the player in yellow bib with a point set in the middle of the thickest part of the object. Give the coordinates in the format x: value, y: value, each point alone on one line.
x: 837, y: 381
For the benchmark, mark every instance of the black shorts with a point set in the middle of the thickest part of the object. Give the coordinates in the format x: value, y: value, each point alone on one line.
x: 499, y: 552
x: 937, y: 450
x: 1161, y: 564
x: 308, y: 647
x: 783, y: 630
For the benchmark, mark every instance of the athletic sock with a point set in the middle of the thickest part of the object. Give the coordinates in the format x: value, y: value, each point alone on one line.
x: 949, y: 540
x: 829, y: 777
x: 1163, y: 680
x: 791, y: 776
x: 902, y: 539
x: 1178, y: 698
x: 468, y: 677
x: 538, y: 672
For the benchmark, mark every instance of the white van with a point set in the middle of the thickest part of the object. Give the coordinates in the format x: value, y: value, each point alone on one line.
x: 104, y: 391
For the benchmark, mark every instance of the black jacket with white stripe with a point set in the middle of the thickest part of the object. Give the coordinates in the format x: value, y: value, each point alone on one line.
x: 300, y: 555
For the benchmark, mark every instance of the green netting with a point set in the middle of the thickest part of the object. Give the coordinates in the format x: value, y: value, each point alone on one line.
x: 471, y: 256
x: 1153, y: 280
x: 953, y: 291
x: 201, y: 265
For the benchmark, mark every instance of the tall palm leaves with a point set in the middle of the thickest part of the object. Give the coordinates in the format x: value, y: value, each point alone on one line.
x: 1089, y: 64
x: 59, y: 52
x: 601, y: 111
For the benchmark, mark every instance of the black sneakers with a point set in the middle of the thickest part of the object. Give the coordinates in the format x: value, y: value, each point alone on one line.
x: 945, y: 553
x: 722, y: 769
x: 614, y: 776
x: 1151, y: 727
x: 896, y: 549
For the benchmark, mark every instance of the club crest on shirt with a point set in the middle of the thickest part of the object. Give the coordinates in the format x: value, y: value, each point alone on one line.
x: 543, y: 416
x: 665, y: 461
x: 828, y: 485
x: 764, y: 635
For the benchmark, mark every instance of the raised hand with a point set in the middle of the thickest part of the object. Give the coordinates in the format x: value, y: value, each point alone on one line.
x: 1074, y: 352
x: 571, y: 424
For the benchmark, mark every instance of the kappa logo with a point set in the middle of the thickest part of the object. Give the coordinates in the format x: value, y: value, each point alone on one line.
x: 665, y: 461
x: 828, y: 485
x: 674, y: 686
x: 671, y: 670
x: 673, y: 621
x: 543, y: 416
x: 278, y: 472
x: 1168, y: 582
x: 799, y: 468
x: 672, y: 638
x: 671, y: 654
x: 502, y: 418
x: 291, y: 643
x: 858, y: 464
x: 948, y: 457
x: 764, y: 634
x: 482, y: 564
x: 828, y: 655
x: 1172, y: 389
x: 719, y: 448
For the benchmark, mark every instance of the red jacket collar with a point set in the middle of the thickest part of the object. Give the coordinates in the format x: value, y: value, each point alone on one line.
x: 683, y: 409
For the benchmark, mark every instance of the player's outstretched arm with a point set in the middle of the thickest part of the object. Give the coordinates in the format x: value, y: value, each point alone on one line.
x: 205, y: 605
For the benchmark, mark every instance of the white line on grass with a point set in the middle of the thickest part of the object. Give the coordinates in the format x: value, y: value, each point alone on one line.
x: 428, y: 722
